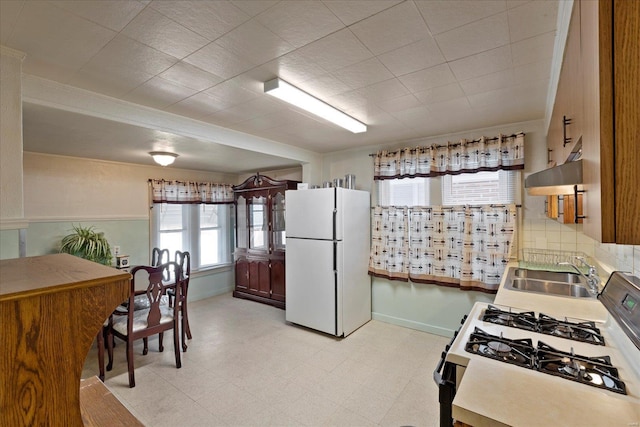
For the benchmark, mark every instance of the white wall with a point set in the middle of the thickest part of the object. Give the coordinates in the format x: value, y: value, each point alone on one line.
x: 11, y: 207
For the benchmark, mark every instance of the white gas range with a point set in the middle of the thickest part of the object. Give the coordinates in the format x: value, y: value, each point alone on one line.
x: 523, y: 367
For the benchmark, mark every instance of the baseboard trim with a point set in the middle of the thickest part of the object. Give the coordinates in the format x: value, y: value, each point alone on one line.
x: 411, y: 324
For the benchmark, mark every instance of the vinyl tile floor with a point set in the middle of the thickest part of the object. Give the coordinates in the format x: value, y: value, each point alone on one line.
x: 246, y: 366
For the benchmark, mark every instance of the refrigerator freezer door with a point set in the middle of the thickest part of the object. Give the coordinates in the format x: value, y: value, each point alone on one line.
x: 311, y: 283
x: 310, y: 213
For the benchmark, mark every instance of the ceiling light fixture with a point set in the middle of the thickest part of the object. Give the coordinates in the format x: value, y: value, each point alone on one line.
x: 163, y: 158
x: 291, y: 94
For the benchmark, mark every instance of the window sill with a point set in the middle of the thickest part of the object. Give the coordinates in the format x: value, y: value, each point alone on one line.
x: 211, y: 270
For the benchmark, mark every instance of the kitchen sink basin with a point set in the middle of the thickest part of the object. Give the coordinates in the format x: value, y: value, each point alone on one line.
x: 553, y: 276
x: 547, y: 282
x: 554, y: 288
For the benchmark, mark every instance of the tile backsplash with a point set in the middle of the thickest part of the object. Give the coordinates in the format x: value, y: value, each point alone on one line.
x: 549, y: 234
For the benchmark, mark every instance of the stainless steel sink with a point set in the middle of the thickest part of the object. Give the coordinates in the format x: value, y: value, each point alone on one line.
x: 553, y: 276
x: 547, y: 282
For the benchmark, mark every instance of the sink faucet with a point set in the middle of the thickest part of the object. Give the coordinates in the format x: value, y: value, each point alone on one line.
x: 592, y: 278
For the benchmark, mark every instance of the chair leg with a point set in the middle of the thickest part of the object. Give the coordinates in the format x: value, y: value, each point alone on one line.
x: 100, y: 342
x: 176, y: 345
x: 145, y: 348
x: 132, y: 379
x: 183, y: 333
x: 110, y: 350
x: 160, y: 346
x: 186, y: 318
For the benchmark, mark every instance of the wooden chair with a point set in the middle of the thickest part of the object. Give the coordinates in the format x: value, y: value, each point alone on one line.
x: 130, y: 325
x: 183, y: 259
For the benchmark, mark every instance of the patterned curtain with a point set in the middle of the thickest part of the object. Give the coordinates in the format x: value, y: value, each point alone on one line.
x: 488, y: 240
x: 436, y: 244
x: 484, y: 154
x: 190, y: 192
x: 458, y: 246
x: 389, y: 243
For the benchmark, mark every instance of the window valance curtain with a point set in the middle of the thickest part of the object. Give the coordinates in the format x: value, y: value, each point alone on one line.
x: 190, y: 192
x: 459, y: 246
x: 484, y: 154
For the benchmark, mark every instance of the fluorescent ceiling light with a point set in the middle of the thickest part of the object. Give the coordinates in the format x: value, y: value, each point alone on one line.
x: 163, y: 158
x: 291, y: 94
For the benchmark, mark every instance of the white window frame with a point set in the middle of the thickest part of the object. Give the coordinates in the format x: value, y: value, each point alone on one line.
x: 191, y: 232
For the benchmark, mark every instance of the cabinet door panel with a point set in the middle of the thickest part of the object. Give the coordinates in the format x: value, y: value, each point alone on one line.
x: 242, y: 275
x: 264, y: 279
x: 277, y: 280
x: 254, y: 278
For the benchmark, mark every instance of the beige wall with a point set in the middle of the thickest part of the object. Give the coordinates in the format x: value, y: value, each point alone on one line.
x: 70, y: 188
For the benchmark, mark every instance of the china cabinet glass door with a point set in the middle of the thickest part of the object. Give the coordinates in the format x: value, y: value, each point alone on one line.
x: 277, y: 214
x: 241, y: 221
x: 258, y: 223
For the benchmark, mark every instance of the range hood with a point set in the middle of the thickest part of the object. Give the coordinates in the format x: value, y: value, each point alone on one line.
x: 556, y: 180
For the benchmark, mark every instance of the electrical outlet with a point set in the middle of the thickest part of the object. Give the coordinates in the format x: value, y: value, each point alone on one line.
x: 116, y: 250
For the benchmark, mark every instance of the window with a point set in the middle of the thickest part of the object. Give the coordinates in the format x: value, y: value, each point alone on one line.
x: 403, y: 192
x: 479, y: 188
x: 202, y: 229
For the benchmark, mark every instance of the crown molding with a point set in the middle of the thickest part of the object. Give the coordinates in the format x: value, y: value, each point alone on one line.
x: 7, y: 51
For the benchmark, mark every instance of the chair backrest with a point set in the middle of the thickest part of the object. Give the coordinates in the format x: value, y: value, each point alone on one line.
x: 156, y: 287
x: 183, y: 259
x: 159, y: 256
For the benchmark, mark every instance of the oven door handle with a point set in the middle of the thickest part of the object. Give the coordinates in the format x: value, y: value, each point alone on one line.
x: 437, y: 376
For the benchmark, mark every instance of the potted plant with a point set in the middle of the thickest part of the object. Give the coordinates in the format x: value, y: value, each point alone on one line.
x: 87, y: 243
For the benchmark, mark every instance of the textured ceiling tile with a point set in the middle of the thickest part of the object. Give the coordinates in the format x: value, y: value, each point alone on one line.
x: 210, y: 19
x: 387, y: 89
x: 533, y: 49
x: 532, y: 19
x: 400, y: 103
x: 413, y: 57
x: 124, y: 52
x: 219, y: 61
x: 57, y: 36
x: 391, y: 29
x: 532, y: 71
x: 113, y: 14
x: 473, y: 38
x: 440, y: 94
x: 109, y: 78
x: 412, y: 115
x: 295, y: 67
x: 196, y: 106
x: 190, y: 76
x: 364, y: 73
x: 347, y: 100
x: 351, y: 11
x: 439, y: 75
x: 156, y: 30
x: 38, y: 66
x: 482, y: 63
x: 300, y: 22
x: 324, y: 86
x: 9, y: 11
x: 254, y: 42
x: 230, y: 93
x: 488, y: 82
x: 337, y: 50
x: 444, y: 15
x: 253, y: 7
x: 158, y: 93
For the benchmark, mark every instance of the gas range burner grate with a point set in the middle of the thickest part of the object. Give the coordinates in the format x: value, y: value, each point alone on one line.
x: 577, y: 331
x: 517, y: 352
x: 594, y: 371
x: 522, y: 320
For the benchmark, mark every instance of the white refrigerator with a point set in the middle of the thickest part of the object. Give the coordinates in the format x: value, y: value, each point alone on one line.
x: 327, y: 283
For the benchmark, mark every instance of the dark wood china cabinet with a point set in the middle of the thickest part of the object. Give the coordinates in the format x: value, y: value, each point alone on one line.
x: 260, y: 239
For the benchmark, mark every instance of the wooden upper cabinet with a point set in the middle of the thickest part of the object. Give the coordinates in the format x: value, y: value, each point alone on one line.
x: 610, y: 31
x: 562, y: 136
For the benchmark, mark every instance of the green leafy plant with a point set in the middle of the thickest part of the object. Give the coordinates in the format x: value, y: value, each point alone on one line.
x: 87, y: 243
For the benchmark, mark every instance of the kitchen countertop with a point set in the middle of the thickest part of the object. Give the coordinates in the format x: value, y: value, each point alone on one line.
x: 492, y: 393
